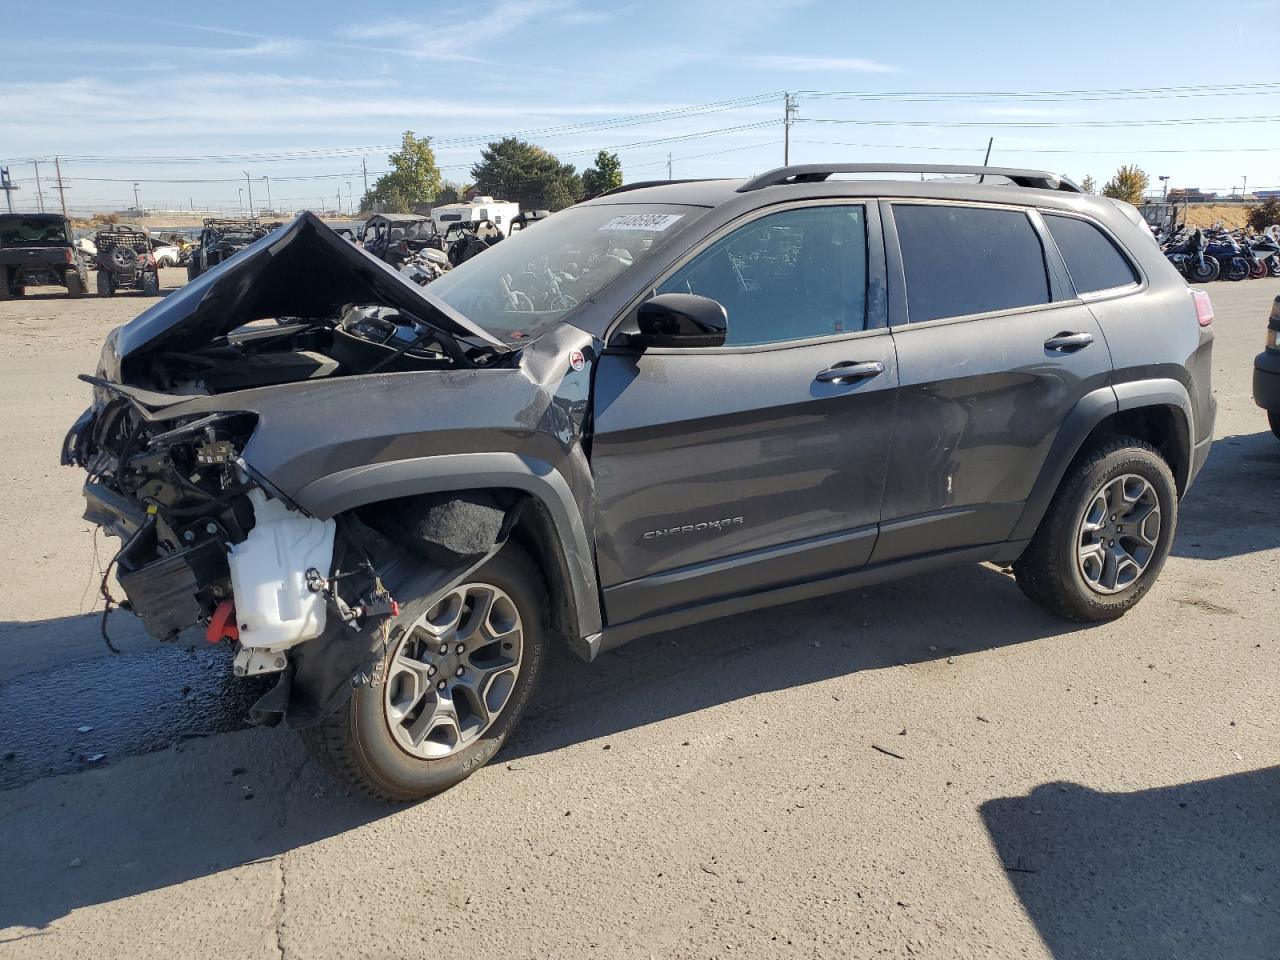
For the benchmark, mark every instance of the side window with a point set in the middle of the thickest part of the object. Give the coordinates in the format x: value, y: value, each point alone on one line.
x: 786, y: 276
x: 1092, y: 258
x: 963, y: 260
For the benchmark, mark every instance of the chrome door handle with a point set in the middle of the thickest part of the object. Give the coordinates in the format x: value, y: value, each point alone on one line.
x: 1068, y: 342
x: 850, y: 372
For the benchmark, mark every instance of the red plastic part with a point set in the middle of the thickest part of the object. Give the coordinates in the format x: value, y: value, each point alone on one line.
x: 223, y: 623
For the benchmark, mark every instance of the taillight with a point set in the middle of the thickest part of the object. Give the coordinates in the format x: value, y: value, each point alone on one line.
x: 70, y: 258
x: 1204, y: 307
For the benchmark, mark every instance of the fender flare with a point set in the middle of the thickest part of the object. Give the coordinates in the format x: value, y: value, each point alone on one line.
x: 374, y: 482
x: 1089, y: 411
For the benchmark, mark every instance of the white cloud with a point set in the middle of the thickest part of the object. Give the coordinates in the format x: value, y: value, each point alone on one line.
x: 821, y: 64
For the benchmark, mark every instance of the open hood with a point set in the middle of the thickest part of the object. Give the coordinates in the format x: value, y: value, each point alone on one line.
x: 300, y: 270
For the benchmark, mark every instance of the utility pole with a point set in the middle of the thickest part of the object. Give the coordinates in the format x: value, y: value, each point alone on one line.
x: 668, y: 166
x: 350, y: 199
x: 137, y: 204
x: 250, y: 183
x: 364, y: 168
x: 338, y: 211
x: 1245, y: 190
x: 39, y: 191
x: 270, y: 205
x: 7, y: 186
x: 62, y: 196
x: 789, y: 110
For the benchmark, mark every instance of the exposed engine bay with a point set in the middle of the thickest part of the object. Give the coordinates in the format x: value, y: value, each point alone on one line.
x: 206, y: 539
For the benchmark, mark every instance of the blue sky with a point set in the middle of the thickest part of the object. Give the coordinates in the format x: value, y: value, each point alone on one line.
x: 254, y: 81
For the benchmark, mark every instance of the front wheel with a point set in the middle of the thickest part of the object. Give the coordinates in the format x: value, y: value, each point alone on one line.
x: 75, y: 285
x: 150, y: 284
x: 1106, y: 534
x: 104, y: 283
x: 1257, y: 269
x: 1273, y: 418
x: 453, y: 686
x: 1198, y: 272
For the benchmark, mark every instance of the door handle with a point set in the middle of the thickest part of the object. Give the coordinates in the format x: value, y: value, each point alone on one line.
x: 1068, y: 342
x: 850, y: 372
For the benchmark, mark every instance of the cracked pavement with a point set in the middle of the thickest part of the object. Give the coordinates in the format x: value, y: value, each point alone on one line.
x: 931, y: 768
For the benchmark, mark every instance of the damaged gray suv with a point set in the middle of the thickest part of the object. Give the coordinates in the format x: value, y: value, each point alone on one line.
x: 676, y: 402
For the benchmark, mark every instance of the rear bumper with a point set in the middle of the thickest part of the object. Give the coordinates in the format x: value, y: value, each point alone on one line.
x: 1266, y: 380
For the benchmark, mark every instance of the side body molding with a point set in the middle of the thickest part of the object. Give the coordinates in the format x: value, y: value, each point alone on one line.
x: 373, y: 482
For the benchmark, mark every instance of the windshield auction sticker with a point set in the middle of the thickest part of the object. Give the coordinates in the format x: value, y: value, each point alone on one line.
x: 651, y: 222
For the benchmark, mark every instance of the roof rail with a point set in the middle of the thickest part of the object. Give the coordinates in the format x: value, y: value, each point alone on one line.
x: 641, y: 184
x: 818, y: 172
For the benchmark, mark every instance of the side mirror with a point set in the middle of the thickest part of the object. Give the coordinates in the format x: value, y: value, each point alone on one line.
x: 681, y: 320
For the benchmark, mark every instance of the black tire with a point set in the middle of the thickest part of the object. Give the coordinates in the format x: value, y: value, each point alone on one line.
x: 1205, y: 274
x: 1273, y: 418
x: 193, y: 270
x: 355, y: 744
x: 150, y: 283
x: 104, y: 283
x: 5, y: 290
x: 75, y: 285
x: 1048, y: 571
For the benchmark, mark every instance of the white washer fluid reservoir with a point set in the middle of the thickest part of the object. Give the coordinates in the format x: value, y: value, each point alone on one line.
x: 274, y: 608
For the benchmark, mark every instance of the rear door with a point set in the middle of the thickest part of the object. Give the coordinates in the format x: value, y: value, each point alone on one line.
x: 729, y: 470
x: 994, y: 350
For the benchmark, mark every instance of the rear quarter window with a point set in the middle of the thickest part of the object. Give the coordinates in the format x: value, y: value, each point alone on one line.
x: 965, y: 260
x: 1091, y: 256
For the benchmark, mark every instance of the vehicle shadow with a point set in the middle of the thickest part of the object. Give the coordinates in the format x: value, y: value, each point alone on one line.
x: 201, y: 804
x: 1186, y: 871
x: 930, y: 617
x: 1234, y: 506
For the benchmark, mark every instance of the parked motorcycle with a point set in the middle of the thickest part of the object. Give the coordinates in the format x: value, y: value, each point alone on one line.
x: 1187, y: 250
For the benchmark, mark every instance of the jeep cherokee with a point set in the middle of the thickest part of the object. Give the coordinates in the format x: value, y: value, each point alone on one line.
x: 675, y: 402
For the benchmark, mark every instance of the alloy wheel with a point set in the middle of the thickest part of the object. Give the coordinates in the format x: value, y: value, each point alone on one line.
x: 1118, y: 534
x: 453, y: 671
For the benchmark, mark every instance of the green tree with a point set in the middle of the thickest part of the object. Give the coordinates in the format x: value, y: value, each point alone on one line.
x: 511, y: 169
x: 1128, y: 184
x: 1088, y: 185
x: 414, y: 178
x: 604, y: 176
x: 449, y: 193
x: 1264, y: 214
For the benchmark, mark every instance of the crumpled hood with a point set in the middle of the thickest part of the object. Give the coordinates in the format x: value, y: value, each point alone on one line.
x: 301, y: 270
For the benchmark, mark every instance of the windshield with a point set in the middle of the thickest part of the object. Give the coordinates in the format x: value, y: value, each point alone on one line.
x: 520, y: 287
x: 26, y: 230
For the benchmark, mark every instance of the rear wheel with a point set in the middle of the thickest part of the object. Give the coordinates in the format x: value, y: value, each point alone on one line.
x: 1273, y: 418
x: 1258, y: 269
x: 454, y: 684
x: 75, y: 285
x: 1106, y: 534
x: 104, y: 283
x: 150, y: 283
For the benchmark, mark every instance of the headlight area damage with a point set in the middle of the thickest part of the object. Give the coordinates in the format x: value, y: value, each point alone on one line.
x: 194, y: 438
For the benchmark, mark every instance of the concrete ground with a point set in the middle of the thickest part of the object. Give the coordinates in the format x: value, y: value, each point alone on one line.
x: 931, y: 768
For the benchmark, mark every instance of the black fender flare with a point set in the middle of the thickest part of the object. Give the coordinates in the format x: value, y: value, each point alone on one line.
x: 1093, y: 408
x: 370, y: 483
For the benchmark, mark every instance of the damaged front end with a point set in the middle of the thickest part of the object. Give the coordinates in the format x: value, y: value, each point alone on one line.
x: 207, y: 538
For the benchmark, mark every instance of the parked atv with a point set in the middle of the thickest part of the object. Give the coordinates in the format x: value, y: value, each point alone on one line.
x: 126, y: 261
x: 37, y: 249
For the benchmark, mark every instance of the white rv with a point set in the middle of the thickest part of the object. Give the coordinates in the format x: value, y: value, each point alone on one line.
x: 501, y: 212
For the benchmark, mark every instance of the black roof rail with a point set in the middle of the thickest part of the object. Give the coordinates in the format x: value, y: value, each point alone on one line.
x: 641, y: 184
x: 818, y: 172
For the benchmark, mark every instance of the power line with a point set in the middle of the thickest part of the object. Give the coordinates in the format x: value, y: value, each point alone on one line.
x: 580, y: 127
x: 1049, y: 124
